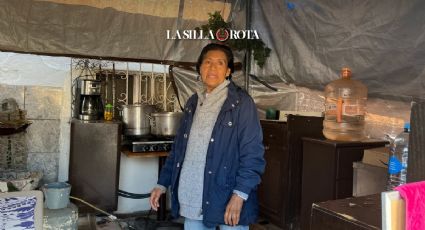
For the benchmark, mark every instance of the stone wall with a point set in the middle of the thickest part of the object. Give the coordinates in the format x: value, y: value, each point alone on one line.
x: 43, y: 106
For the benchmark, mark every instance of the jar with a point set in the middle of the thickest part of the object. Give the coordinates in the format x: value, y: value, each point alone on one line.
x: 109, y: 112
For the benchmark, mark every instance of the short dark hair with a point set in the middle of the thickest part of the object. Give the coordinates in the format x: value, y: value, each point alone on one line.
x: 216, y: 46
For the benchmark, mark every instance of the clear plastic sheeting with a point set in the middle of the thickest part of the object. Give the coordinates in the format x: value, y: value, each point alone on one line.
x: 382, y: 41
x: 27, y: 69
x: 384, y: 118
x: 283, y: 99
x: 187, y: 82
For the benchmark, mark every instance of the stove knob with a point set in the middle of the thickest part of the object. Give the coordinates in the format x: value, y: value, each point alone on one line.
x: 146, y: 148
x: 155, y: 147
x: 167, y: 147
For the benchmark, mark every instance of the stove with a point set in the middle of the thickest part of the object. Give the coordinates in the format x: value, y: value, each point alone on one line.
x: 148, y: 143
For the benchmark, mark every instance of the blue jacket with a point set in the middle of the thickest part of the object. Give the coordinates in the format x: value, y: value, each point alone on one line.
x: 234, y: 161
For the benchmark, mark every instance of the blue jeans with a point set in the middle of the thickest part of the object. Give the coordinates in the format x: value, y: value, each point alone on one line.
x: 190, y: 224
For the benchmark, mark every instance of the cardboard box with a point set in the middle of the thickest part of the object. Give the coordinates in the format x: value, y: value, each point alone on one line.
x: 376, y: 156
x: 368, y: 179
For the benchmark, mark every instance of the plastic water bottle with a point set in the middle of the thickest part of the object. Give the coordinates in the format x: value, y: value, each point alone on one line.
x: 397, y: 163
x: 345, y: 105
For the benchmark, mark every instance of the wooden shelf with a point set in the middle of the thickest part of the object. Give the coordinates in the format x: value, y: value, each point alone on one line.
x: 129, y: 153
x: 10, y: 131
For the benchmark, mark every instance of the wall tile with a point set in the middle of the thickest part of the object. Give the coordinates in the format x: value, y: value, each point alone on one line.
x: 46, y: 163
x: 13, y: 151
x: 43, y: 136
x: 43, y: 102
x: 13, y: 91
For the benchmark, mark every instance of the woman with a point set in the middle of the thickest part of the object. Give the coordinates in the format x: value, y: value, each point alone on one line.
x: 217, y: 157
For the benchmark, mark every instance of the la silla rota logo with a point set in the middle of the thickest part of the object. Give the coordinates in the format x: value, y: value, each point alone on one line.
x: 221, y: 34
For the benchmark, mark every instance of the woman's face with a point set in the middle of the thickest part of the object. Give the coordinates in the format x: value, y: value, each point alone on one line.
x: 214, y: 69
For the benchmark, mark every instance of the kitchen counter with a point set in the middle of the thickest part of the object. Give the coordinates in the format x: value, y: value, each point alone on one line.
x: 129, y: 153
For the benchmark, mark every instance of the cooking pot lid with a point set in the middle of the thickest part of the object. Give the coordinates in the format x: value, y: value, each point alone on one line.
x: 137, y: 105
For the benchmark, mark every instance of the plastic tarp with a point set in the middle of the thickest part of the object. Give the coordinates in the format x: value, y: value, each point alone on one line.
x: 382, y: 41
x: 311, y: 40
x: 132, y: 29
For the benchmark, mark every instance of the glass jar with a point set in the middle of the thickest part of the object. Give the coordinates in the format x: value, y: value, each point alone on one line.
x: 109, y: 112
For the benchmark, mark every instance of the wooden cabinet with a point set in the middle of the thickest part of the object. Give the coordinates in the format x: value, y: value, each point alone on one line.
x: 327, y: 171
x: 272, y: 189
x: 94, y: 163
x: 279, y: 191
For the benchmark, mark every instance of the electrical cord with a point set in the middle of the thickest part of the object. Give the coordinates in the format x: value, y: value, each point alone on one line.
x: 110, y: 216
x: 263, y: 82
x: 133, y: 195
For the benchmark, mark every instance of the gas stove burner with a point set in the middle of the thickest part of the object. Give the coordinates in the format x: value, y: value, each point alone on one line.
x: 148, y: 143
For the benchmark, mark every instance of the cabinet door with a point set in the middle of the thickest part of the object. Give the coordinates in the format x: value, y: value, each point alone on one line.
x: 344, y: 171
x: 271, y: 190
x: 94, y: 161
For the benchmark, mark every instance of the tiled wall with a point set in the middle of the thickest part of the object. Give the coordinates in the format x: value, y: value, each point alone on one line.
x: 43, y: 107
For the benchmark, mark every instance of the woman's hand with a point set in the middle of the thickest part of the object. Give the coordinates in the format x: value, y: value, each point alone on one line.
x: 233, y: 210
x: 155, y: 195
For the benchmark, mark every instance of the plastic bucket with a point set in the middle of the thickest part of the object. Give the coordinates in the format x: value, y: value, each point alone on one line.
x: 57, y: 195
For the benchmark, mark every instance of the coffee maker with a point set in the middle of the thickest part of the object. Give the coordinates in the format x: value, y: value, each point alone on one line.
x: 88, y: 101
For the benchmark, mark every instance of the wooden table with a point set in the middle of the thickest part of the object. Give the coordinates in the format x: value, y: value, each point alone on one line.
x: 162, y: 156
x: 357, y: 213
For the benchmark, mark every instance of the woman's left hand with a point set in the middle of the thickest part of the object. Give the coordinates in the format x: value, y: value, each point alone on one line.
x: 233, y: 210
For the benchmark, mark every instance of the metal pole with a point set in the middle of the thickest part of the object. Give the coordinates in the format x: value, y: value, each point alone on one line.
x: 248, y: 50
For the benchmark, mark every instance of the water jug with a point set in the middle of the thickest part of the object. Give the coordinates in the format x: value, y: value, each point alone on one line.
x: 345, y: 104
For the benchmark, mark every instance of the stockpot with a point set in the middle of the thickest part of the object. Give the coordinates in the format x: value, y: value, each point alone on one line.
x: 165, y: 123
x: 136, y: 119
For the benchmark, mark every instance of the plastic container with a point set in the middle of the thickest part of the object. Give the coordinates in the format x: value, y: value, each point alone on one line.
x: 108, y: 114
x: 345, y: 105
x: 272, y: 114
x: 57, y: 194
x: 397, y: 163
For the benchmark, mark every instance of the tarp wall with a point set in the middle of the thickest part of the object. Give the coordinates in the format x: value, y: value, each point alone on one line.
x: 311, y: 40
x: 133, y: 29
x: 382, y: 41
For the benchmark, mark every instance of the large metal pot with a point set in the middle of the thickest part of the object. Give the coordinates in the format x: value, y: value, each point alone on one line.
x: 165, y: 123
x: 136, y: 119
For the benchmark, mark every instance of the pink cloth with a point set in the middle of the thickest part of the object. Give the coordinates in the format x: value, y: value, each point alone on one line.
x: 414, y: 196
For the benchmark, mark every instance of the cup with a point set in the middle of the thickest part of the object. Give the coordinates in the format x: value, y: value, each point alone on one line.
x: 271, y: 114
x: 56, y: 195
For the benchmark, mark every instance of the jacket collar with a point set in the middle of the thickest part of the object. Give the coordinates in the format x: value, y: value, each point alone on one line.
x: 232, y: 100
x: 233, y: 97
